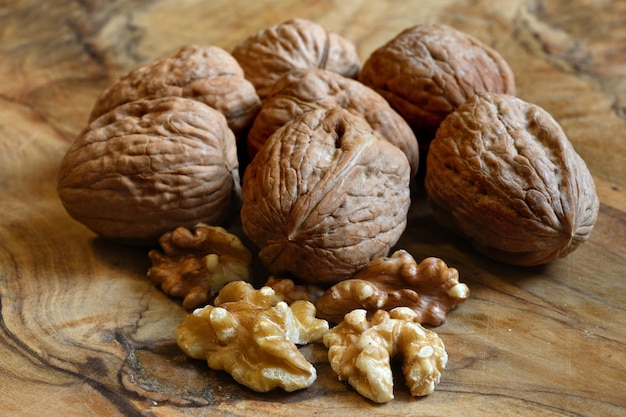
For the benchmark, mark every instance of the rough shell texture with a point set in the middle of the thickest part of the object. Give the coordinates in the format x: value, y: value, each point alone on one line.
x: 324, y: 196
x: 303, y: 90
x: 298, y: 43
x: 502, y: 172
x: 428, y: 70
x: 205, y: 73
x: 149, y: 166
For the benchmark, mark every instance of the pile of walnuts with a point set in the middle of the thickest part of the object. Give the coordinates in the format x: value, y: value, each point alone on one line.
x: 329, y: 149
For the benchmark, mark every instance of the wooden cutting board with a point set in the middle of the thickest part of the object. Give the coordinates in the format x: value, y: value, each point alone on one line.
x: 82, y: 330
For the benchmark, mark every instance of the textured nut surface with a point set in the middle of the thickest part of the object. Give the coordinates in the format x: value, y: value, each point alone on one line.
x: 428, y: 70
x: 251, y: 336
x: 288, y: 291
x: 302, y: 90
x: 297, y: 43
x: 149, y: 166
x: 196, y: 264
x: 502, y: 172
x: 429, y: 288
x: 205, y: 73
x: 360, y: 352
x: 325, y: 196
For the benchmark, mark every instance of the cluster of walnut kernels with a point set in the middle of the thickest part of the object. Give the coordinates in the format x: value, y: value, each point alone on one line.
x: 333, y: 149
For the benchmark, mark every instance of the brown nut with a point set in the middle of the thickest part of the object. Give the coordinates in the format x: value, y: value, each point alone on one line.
x: 288, y: 291
x: 502, y: 172
x: 149, y: 166
x: 302, y: 90
x: 429, y: 288
x: 196, y: 264
x: 294, y: 44
x: 325, y: 196
x: 361, y: 351
x: 428, y: 70
x: 205, y: 73
x: 252, y: 337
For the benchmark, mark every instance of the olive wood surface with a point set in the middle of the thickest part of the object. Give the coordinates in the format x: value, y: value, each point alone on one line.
x: 83, y: 331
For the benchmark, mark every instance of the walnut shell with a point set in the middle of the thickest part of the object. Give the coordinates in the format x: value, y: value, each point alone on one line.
x: 205, y: 73
x: 428, y: 70
x: 149, y: 166
x: 502, y: 172
x: 302, y: 90
x: 324, y: 196
x: 297, y: 43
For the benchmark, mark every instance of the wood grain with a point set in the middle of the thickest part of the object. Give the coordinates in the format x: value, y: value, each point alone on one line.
x: 82, y: 330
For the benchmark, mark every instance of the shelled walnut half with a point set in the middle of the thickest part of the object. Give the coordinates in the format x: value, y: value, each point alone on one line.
x: 429, y: 288
x: 196, y: 264
x: 250, y: 335
x: 360, y: 352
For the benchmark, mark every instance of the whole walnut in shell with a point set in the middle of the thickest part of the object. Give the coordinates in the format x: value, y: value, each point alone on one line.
x: 205, y: 73
x: 149, y: 166
x: 302, y: 90
x: 294, y: 44
x: 428, y: 70
x: 502, y: 172
x: 324, y: 196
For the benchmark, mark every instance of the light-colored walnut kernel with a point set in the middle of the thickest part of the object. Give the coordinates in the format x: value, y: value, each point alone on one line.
x: 253, y: 338
x: 294, y: 44
x: 205, y: 73
x: 196, y: 264
x: 429, y: 288
x: 360, y: 352
x: 428, y: 70
x: 149, y: 166
x: 306, y: 89
x: 503, y: 173
x: 324, y: 197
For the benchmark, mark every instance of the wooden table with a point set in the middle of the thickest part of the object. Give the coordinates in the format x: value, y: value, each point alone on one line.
x: 83, y: 332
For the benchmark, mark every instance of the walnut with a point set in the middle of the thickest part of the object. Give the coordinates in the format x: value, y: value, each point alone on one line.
x: 428, y: 70
x: 196, y: 264
x: 429, y: 288
x: 149, y: 166
x: 325, y: 196
x: 293, y: 44
x: 205, y: 73
x: 360, y: 352
x: 252, y: 337
x: 288, y: 291
x: 302, y: 90
x: 503, y: 173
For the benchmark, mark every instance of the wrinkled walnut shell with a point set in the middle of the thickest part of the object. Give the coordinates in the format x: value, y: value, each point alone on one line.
x: 303, y: 90
x: 205, y: 73
x: 294, y: 44
x: 428, y: 70
x: 149, y: 166
x: 324, y: 196
x: 502, y: 172
x: 429, y: 288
